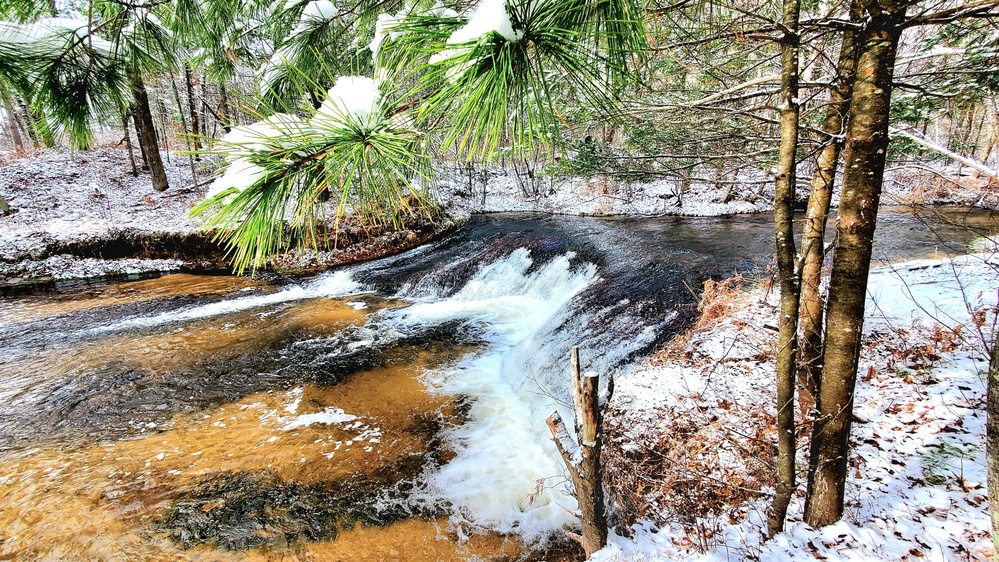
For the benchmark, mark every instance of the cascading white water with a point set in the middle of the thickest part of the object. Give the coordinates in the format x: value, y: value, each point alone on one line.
x: 506, y: 475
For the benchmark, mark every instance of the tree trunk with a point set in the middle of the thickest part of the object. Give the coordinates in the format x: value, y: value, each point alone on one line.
x: 204, y: 109
x: 784, y: 192
x: 192, y: 107
x: 992, y: 441
x: 961, y: 160
x: 819, y: 198
x: 128, y: 144
x: 866, y: 150
x: 15, y: 132
x: 226, y: 113
x: 992, y: 137
x: 164, y: 130
x: 183, y: 124
x: 138, y: 135
x: 147, y: 133
x: 583, y: 461
x: 38, y: 129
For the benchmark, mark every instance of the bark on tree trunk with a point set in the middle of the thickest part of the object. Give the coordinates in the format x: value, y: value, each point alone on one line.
x: 784, y: 192
x: 992, y: 441
x: 866, y: 149
x: 39, y: 131
x: 15, y: 132
x: 138, y: 136
x: 164, y: 131
x: 992, y: 137
x: 128, y: 144
x: 819, y: 198
x: 183, y: 124
x: 192, y: 107
x: 204, y: 109
x: 147, y: 133
x: 583, y: 461
x: 226, y: 120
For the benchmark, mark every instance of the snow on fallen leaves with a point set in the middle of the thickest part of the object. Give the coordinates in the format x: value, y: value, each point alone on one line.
x: 691, y: 442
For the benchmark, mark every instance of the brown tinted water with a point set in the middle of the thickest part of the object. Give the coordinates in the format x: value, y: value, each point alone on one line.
x: 146, y: 497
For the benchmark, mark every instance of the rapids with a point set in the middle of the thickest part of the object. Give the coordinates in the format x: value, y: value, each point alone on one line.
x: 391, y: 409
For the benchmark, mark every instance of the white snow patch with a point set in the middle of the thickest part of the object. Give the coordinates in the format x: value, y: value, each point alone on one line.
x: 491, y: 16
x: 353, y: 100
x: 328, y: 416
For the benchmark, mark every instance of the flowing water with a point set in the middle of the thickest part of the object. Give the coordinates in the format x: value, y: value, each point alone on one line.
x: 390, y: 410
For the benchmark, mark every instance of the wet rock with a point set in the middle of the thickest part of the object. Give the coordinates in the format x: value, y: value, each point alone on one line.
x: 237, y: 511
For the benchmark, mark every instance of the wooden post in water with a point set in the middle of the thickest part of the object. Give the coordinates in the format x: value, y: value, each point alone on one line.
x: 583, y: 460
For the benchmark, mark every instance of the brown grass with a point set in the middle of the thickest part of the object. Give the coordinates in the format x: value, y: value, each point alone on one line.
x: 929, y: 188
x: 697, y: 468
x: 705, y: 457
x: 718, y: 300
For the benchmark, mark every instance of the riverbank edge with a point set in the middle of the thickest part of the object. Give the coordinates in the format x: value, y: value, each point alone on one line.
x: 83, y: 218
x: 121, y: 255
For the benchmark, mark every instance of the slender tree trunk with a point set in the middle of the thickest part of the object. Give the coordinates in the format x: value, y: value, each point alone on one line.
x: 138, y: 135
x: 204, y: 109
x: 29, y: 124
x: 38, y: 129
x: 991, y: 138
x: 583, y: 460
x: 15, y: 133
x: 866, y: 150
x: 192, y: 107
x: 183, y: 124
x: 164, y: 131
x: 128, y: 144
x: 992, y: 441
x: 147, y: 133
x: 819, y: 198
x: 961, y: 160
x: 226, y: 121
x: 784, y: 193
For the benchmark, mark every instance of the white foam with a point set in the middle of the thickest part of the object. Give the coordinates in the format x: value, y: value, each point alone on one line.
x: 328, y: 416
x: 504, y: 450
x: 337, y: 284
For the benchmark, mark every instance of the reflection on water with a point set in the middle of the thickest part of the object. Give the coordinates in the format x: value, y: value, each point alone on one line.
x: 390, y: 411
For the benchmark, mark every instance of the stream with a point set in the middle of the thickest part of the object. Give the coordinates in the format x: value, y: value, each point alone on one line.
x: 392, y: 409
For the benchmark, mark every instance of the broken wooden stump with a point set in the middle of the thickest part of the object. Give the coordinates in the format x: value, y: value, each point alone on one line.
x: 583, y: 460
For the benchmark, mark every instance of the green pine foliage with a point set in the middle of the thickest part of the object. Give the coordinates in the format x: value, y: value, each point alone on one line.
x: 375, y: 169
x: 489, y: 95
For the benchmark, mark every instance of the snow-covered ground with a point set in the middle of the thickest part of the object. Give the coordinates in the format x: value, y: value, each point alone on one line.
x: 916, y: 488
x: 501, y: 189
x: 62, y: 197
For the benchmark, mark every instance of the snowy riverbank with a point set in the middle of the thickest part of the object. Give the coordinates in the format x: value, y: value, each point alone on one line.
x: 917, y: 470
x: 72, y: 208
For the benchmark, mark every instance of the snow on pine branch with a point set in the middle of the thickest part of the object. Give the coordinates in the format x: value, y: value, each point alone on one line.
x: 317, y: 12
x: 353, y: 102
